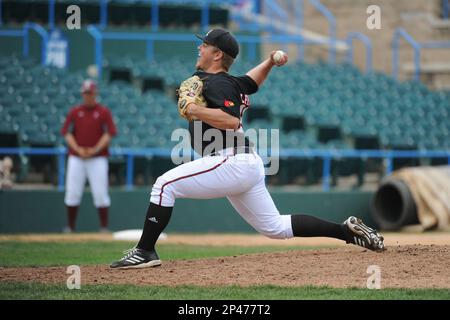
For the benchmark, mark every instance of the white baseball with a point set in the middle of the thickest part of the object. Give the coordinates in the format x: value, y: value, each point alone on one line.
x: 278, y: 56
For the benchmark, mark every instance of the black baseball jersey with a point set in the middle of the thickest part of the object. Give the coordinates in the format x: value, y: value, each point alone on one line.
x: 222, y: 91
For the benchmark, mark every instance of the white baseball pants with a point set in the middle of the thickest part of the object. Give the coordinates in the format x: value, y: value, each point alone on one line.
x: 96, y: 171
x: 239, y: 177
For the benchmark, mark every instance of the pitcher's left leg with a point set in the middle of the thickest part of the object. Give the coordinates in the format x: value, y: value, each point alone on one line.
x: 258, y: 209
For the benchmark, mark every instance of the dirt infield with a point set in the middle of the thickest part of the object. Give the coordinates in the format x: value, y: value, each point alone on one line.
x: 411, y: 261
x: 244, y: 240
x: 412, y: 266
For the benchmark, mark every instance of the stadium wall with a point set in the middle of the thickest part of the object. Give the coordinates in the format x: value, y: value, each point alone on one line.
x: 82, y: 53
x: 44, y: 211
x: 81, y: 48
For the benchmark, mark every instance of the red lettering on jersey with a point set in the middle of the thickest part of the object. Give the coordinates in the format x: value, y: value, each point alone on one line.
x: 228, y: 103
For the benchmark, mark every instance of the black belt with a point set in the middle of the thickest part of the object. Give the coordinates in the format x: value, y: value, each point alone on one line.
x: 236, y: 150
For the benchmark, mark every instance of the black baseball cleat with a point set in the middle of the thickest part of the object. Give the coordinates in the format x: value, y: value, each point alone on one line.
x: 358, y: 233
x: 137, y: 258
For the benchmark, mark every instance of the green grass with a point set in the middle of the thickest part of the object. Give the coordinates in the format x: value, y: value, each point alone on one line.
x: 31, y: 254
x: 88, y: 292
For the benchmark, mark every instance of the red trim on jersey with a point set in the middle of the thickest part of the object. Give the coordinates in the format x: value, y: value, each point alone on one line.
x: 243, y: 109
x: 188, y: 176
x: 242, y: 112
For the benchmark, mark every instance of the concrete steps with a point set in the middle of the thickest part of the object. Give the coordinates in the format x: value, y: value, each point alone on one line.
x: 421, y: 19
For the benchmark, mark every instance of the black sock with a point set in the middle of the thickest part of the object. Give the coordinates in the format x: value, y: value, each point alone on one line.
x: 155, y: 222
x: 309, y: 226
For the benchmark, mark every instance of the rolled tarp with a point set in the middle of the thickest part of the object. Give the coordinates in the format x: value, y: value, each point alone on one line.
x: 418, y: 196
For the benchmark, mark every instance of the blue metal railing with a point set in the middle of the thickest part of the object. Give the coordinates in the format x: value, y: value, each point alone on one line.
x: 26, y: 41
x: 332, y: 28
x: 154, y: 11
x: 445, y: 9
x: 98, y: 52
x: 274, y: 8
x: 296, y: 7
x: 400, y: 32
x: 25, y: 34
x: 99, y: 36
x: 435, y: 45
x: 51, y: 14
x: 388, y: 155
x: 326, y: 155
x: 11, y: 33
x: 59, y: 152
x: 367, y: 43
x: 103, y: 13
x: 154, y: 14
x: 274, y: 12
x: 417, y: 47
x: 299, y: 21
x: 205, y: 4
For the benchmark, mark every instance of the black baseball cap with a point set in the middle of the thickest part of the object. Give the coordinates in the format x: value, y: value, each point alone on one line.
x: 223, y: 40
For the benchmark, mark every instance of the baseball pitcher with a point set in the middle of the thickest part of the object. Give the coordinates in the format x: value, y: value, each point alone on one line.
x: 215, y: 100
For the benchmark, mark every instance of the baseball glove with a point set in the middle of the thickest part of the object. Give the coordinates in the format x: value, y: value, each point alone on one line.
x: 190, y: 91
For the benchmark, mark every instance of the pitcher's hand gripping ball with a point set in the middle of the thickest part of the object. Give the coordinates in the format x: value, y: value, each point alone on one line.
x: 190, y: 91
x: 279, y: 57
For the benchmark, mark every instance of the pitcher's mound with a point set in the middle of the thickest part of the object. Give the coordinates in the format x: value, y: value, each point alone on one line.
x: 415, y: 266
